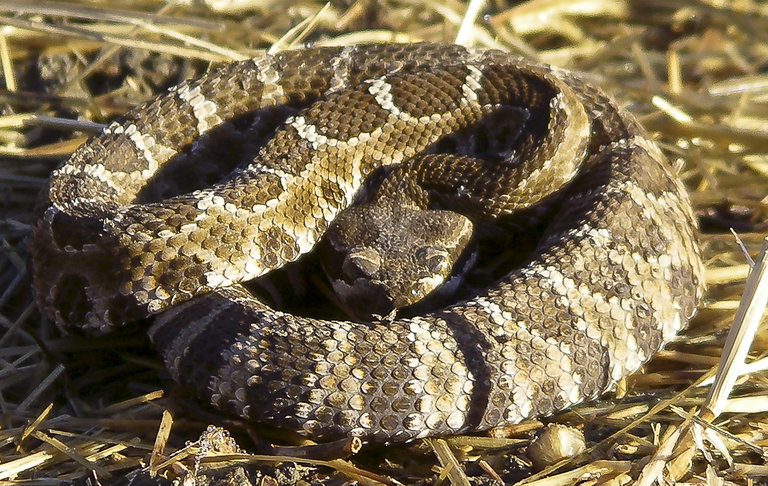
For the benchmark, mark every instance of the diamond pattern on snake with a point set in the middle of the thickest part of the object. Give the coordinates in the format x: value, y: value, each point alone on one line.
x: 461, y: 144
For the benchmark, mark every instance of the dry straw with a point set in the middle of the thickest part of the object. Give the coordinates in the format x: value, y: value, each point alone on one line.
x: 693, y: 71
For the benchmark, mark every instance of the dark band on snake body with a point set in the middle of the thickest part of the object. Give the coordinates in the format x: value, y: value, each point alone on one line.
x: 615, y: 276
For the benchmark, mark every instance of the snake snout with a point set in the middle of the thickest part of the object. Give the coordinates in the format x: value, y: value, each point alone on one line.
x: 387, y: 256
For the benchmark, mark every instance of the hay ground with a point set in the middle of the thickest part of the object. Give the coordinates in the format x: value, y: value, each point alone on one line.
x: 90, y: 410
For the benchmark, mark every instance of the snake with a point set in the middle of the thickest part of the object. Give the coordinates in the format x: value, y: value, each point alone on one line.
x: 162, y: 218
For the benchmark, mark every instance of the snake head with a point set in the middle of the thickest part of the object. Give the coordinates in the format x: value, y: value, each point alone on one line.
x: 383, y: 256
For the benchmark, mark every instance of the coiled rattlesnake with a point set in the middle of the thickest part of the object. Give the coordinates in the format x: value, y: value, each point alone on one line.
x: 615, y: 275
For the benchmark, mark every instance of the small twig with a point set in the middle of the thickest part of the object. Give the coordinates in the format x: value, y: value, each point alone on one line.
x: 339, y: 449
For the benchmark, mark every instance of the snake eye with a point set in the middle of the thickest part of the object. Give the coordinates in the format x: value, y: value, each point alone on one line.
x: 362, y: 263
x: 435, y: 259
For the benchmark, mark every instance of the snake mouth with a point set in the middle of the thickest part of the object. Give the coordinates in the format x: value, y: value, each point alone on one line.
x: 367, y: 300
x: 363, y: 299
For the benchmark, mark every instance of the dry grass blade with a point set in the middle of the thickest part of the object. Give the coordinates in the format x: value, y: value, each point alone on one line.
x: 96, y: 35
x: 451, y: 468
x: 72, y: 453
x: 465, y: 36
x: 104, y: 13
x: 592, y: 471
x: 742, y: 334
x: 297, y: 34
x: 161, y: 440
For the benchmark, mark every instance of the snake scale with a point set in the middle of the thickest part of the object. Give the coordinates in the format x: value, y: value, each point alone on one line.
x: 614, y: 276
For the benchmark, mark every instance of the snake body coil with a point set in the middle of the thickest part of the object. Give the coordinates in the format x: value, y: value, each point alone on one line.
x: 615, y: 275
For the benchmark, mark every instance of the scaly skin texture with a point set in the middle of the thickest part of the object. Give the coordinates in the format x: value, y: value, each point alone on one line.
x: 615, y: 275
